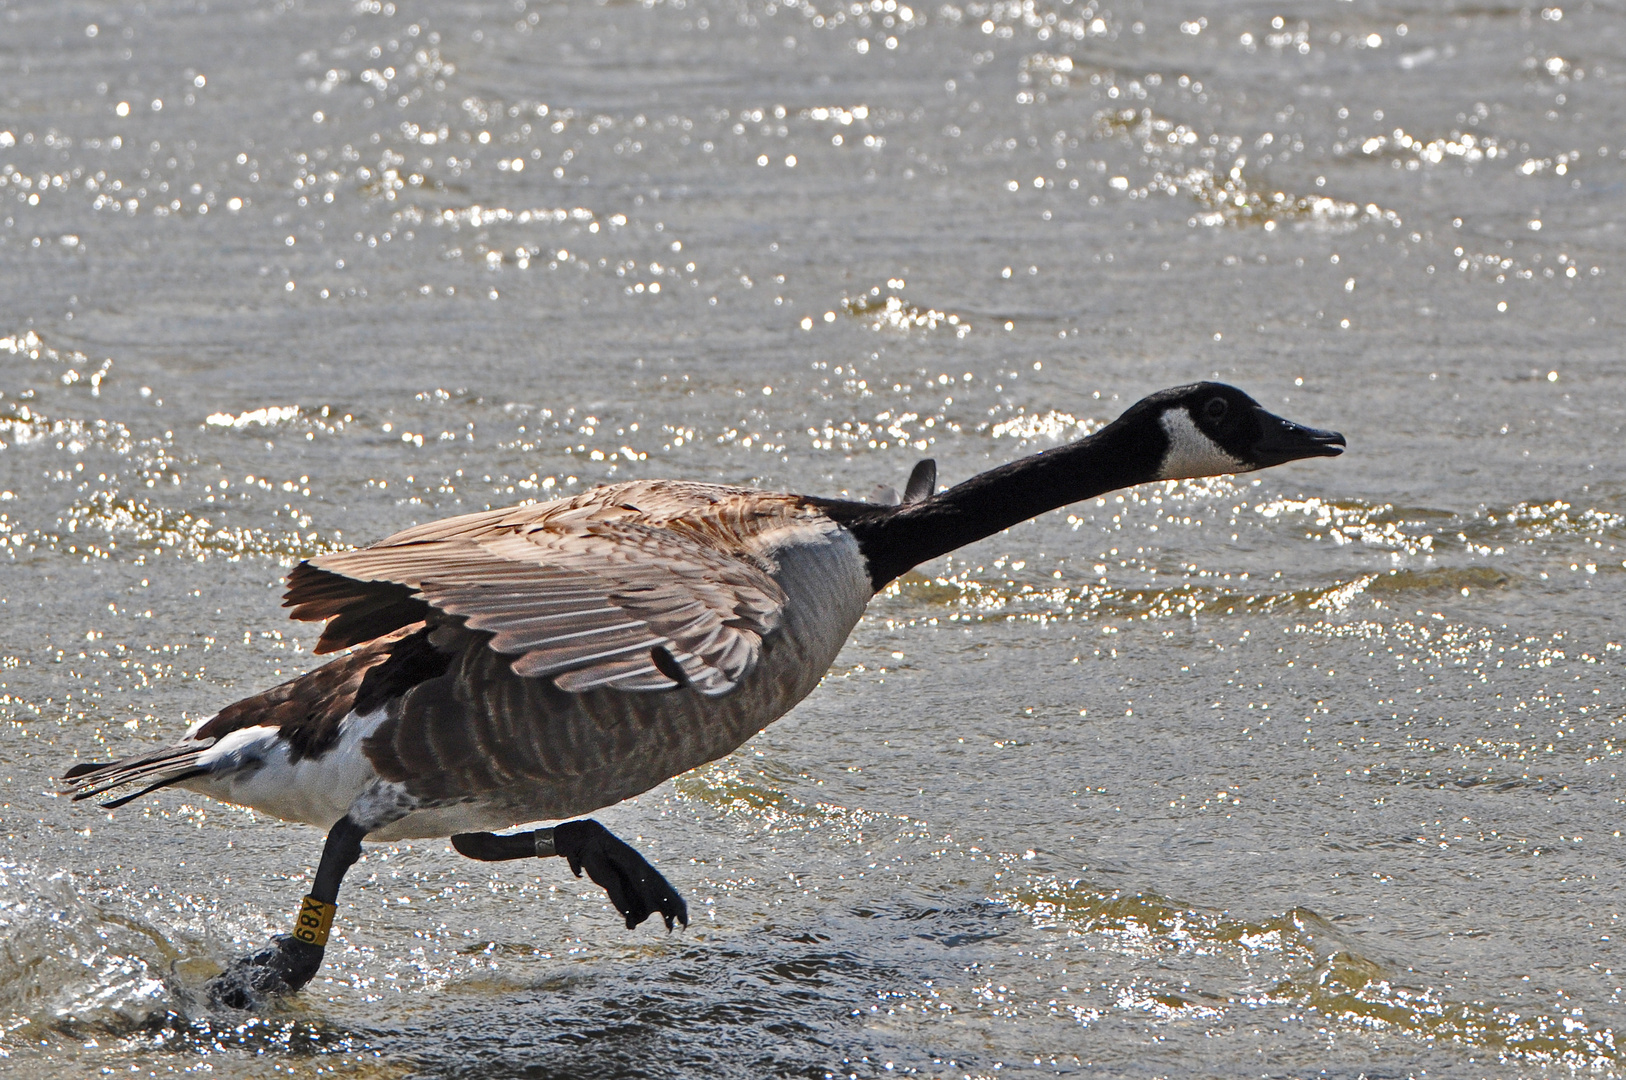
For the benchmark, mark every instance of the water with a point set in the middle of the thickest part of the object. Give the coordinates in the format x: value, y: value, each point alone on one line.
x: 1308, y: 772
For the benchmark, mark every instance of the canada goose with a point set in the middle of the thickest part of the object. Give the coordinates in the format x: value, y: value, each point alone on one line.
x: 540, y: 662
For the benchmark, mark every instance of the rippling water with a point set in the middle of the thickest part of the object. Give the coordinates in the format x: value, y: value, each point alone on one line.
x: 1313, y: 771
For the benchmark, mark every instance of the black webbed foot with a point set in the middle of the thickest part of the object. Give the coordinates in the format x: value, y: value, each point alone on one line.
x: 636, y: 888
x: 281, y: 968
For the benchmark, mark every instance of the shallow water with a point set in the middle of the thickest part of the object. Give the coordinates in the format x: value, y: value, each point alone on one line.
x: 1313, y: 771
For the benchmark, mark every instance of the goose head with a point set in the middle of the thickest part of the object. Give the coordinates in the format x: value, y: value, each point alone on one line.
x: 1208, y: 428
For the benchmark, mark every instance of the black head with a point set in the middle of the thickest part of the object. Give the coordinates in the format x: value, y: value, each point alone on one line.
x: 1210, y: 428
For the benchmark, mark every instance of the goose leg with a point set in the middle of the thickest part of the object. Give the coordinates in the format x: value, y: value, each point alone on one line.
x: 636, y: 888
x: 495, y: 847
x: 291, y: 960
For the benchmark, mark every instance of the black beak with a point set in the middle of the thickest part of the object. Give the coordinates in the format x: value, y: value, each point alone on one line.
x: 1282, y: 440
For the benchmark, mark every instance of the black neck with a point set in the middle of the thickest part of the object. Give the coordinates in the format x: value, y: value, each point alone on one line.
x: 894, y: 539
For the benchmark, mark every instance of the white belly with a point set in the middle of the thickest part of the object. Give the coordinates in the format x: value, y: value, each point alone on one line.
x: 254, y: 768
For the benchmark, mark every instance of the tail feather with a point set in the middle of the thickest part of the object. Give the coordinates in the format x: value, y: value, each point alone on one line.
x: 114, y: 804
x: 82, y: 768
x: 167, y: 765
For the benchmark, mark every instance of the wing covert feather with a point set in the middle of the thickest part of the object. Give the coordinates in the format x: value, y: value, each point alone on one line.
x: 582, y: 596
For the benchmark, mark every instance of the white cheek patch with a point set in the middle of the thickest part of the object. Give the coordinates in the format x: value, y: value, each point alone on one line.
x: 1191, y: 452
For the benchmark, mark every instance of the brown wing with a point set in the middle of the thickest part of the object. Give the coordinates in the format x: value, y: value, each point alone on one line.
x: 589, y: 599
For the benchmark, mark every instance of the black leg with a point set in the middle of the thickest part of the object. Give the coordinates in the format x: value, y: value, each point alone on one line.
x: 636, y: 888
x: 291, y: 960
x: 492, y: 847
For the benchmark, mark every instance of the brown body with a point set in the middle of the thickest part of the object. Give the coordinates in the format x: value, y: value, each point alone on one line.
x: 499, y: 673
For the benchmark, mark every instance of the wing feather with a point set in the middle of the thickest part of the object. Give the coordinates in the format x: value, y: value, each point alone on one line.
x: 580, y: 592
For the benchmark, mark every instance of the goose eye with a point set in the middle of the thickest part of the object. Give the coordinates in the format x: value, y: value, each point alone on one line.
x: 1215, y: 408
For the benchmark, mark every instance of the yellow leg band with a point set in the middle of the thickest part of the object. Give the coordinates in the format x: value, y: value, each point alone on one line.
x: 315, y: 919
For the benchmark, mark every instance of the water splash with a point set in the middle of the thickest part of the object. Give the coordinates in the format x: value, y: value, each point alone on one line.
x: 64, y: 958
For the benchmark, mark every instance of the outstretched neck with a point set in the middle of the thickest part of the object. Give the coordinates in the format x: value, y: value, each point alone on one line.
x: 896, y: 539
